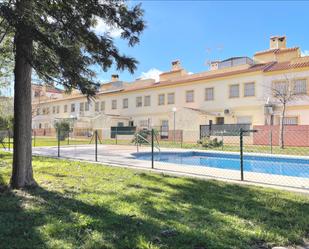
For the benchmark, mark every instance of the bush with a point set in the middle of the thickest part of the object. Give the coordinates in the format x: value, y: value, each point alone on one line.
x: 6, y: 123
x: 64, y: 128
x: 207, y: 142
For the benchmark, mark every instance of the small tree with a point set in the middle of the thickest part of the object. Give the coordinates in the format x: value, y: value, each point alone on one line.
x: 284, y: 93
x: 56, y: 39
x: 62, y: 129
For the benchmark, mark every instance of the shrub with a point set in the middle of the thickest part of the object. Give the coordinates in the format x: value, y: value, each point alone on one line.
x: 64, y: 128
x: 207, y: 142
x: 6, y: 123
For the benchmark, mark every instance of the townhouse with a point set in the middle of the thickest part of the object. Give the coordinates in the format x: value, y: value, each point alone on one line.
x: 238, y: 90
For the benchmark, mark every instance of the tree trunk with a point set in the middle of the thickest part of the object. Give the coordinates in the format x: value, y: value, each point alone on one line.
x: 282, y: 127
x: 22, y: 175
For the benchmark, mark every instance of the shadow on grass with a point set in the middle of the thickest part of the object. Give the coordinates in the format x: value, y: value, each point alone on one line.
x: 269, y: 211
x: 17, y: 225
x: 81, y: 222
x: 205, y: 214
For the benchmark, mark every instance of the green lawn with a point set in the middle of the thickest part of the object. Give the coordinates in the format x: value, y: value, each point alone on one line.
x: 235, y: 147
x: 81, y: 205
x: 52, y: 141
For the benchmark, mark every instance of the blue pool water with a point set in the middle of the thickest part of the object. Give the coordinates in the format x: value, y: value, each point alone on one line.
x: 261, y: 164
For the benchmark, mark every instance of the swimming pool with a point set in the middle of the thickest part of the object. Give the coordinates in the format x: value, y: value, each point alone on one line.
x: 287, y: 166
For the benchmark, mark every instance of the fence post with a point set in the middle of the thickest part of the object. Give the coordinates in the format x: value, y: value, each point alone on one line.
x: 241, y: 156
x: 96, y: 145
x: 181, y: 139
x: 58, y: 136
x: 9, y: 133
x: 34, y: 138
x: 116, y: 136
x: 68, y: 137
x: 152, y: 145
x: 271, y: 141
x: 222, y: 139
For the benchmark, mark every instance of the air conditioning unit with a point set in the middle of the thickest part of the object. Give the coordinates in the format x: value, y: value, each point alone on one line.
x: 227, y: 111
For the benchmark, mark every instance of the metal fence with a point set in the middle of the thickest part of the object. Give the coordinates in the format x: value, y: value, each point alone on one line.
x: 222, y: 129
x: 259, y: 154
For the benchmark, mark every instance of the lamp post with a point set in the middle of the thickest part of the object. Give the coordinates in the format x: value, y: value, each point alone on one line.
x: 174, y: 113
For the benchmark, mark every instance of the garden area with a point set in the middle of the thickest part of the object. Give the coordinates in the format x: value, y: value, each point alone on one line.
x: 84, y: 205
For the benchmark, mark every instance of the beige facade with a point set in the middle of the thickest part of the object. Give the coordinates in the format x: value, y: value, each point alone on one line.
x: 233, y: 91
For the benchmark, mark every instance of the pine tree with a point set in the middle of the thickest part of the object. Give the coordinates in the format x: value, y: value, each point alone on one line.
x: 55, y: 38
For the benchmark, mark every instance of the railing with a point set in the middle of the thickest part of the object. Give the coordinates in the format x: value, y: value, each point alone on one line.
x: 223, y: 130
x: 155, y: 146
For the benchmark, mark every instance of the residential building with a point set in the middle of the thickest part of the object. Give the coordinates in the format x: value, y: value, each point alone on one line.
x: 236, y: 90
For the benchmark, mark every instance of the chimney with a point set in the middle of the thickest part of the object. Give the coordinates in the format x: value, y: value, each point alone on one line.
x: 115, y: 77
x: 214, y: 65
x: 277, y: 42
x: 176, y: 65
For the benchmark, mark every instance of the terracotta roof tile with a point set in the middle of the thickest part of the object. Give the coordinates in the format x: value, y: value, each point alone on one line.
x: 197, y: 77
x: 287, y: 66
x: 277, y: 51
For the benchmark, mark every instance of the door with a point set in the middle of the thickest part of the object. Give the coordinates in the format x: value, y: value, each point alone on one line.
x: 164, y: 129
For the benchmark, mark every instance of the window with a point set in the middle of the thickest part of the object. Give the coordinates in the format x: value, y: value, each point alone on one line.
x: 72, y: 107
x: 300, y: 86
x: 147, y: 100
x: 114, y: 104
x: 47, y: 110
x: 249, y: 89
x: 171, y: 98
x: 96, y: 107
x: 102, y: 105
x: 54, y: 109
x: 209, y: 94
x: 290, y: 121
x: 280, y: 87
x: 234, y: 91
x: 161, y: 99
x: 87, y: 106
x: 58, y: 109
x: 143, y: 123
x: 220, y: 120
x: 36, y: 93
x: 190, y: 96
x: 81, y: 107
x: 120, y: 124
x: 244, y: 120
x: 131, y: 123
x: 125, y: 103
x: 38, y: 111
x: 65, y: 108
x: 139, y: 101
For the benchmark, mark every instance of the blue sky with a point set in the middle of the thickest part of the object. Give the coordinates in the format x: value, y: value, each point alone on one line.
x: 199, y: 31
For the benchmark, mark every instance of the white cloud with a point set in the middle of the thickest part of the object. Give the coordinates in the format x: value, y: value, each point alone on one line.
x: 152, y: 73
x: 305, y: 53
x: 102, y: 27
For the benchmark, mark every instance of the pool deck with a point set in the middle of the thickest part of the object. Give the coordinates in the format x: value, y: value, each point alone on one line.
x: 123, y: 156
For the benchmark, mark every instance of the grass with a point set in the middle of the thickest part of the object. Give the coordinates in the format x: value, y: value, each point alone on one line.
x: 52, y: 141
x: 82, y: 205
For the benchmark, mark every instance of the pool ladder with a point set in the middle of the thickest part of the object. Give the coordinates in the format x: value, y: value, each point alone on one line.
x: 147, y: 141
